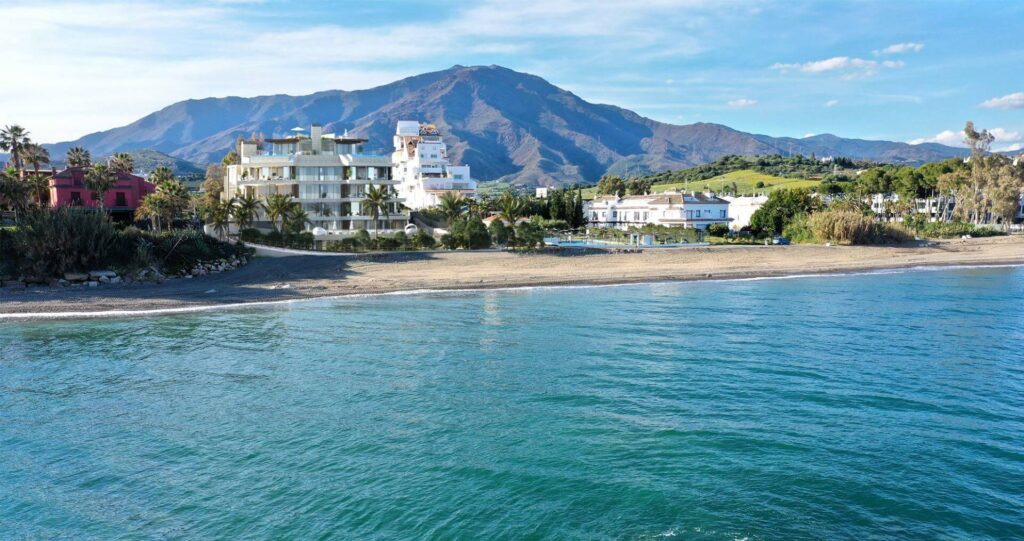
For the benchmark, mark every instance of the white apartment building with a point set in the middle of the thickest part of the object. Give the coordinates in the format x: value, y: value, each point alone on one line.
x: 930, y: 206
x: 742, y: 208
x: 327, y: 174
x: 423, y: 169
x: 672, y: 209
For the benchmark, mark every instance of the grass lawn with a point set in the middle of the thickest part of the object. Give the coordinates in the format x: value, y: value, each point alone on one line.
x: 745, y: 180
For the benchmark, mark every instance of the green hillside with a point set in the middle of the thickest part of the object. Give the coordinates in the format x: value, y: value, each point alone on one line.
x: 745, y: 180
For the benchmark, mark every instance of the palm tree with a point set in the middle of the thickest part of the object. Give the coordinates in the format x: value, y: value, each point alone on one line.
x: 122, y: 162
x: 296, y: 218
x: 376, y: 203
x: 78, y: 157
x: 452, y: 205
x: 39, y: 185
x: 99, y: 180
x: 220, y: 217
x: 14, y: 194
x: 13, y: 139
x: 277, y: 207
x: 246, y: 208
x: 510, y: 206
x: 160, y: 174
x: 35, y: 155
x: 151, y: 208
x: 174, y: 199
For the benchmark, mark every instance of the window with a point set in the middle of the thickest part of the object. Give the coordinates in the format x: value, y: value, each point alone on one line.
x: 721, y: 214
x: 120, y: 200
x: 76, y: 198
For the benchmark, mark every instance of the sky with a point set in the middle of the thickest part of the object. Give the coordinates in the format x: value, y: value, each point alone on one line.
x: 895, y: 70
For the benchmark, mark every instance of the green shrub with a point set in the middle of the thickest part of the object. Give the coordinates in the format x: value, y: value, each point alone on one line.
x: 718, y: 230
x: 498, y: 231
x: 942, y: 230
x: 347, y: 244
x: 49, y: 243
x: 362, y: 237
x: 529, y: 235
x: 404, y: 243
x: 799, y: 231
x: 250, y: 235
x: 8, y: 255
x: 843, y: 227
x: 449, y: 242
x: 424, y: 240
x: 544, y: 223
x: 274, y: 238
x: 470, y: 234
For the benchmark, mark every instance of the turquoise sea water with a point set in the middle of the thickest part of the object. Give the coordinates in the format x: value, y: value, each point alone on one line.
x: 845, y: 407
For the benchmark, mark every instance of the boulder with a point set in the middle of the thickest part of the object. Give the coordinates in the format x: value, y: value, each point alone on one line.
x: 115, y: 280
x: 76, y: 276
x: 92, y: 283
x: 97, y: 274
x: 103, y: 279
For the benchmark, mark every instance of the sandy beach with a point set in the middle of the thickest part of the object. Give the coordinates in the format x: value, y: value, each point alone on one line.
x: 299, y: 277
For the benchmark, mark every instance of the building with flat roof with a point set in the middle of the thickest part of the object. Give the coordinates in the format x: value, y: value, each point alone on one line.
x: 671, y: 209
x: 327, y: 174
x: 423, y: 168
x: 67, y: 188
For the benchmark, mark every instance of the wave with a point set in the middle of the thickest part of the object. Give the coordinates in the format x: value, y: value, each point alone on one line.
x: 99, y: 314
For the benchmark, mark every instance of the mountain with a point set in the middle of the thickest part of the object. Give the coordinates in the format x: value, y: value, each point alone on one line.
x: 147, y: 160
x: 509, y: 126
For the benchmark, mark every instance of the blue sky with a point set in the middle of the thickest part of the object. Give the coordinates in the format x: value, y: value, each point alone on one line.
x: 906, y: 71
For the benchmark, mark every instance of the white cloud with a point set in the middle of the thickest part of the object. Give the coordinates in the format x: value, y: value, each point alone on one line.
x: 852, y: 68
x: 900, y: 48
x: 742, y: 103
x: 831, y: 103
x: 127, y: 59
x: 806, y: 135
x: 1009, y: 101
x: 946, y: 137
x: 1004, y: 139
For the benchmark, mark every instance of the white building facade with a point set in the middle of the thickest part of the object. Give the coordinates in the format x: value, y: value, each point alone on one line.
x: 742, y: 208
x: 327, y: 174
x: 671, y: 209
x: 423, y: 169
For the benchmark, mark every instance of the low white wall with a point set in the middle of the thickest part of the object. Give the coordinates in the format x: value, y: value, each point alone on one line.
x: 271, y: 251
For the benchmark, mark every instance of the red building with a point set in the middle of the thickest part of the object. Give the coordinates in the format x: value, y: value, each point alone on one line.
x: 67, y: 188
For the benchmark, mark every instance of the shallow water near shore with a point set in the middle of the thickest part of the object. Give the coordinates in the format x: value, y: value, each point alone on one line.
x: 884, y: 405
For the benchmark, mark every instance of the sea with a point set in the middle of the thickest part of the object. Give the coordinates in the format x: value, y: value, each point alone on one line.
x: 885, y: 405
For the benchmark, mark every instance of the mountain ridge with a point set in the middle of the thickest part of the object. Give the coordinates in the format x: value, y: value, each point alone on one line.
x: 509, y: 126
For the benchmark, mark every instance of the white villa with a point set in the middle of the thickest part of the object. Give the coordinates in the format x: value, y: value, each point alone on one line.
x: 423, y: 168
x: 673, y: 209
x: 742, y: 208
x: 327, y: 174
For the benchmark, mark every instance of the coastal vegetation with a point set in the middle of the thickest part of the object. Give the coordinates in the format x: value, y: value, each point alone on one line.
x: 43, y: 243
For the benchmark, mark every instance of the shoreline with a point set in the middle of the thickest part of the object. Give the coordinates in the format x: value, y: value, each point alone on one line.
x: 277, y: 281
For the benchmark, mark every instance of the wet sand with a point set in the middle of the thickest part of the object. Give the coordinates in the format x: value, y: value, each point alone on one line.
x: 300, y: 277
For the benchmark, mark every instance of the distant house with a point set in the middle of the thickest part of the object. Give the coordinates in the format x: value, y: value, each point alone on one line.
x: 67, y: 188
x: 673, y: 209
x: 742, y: 209
x: 542, y: 192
